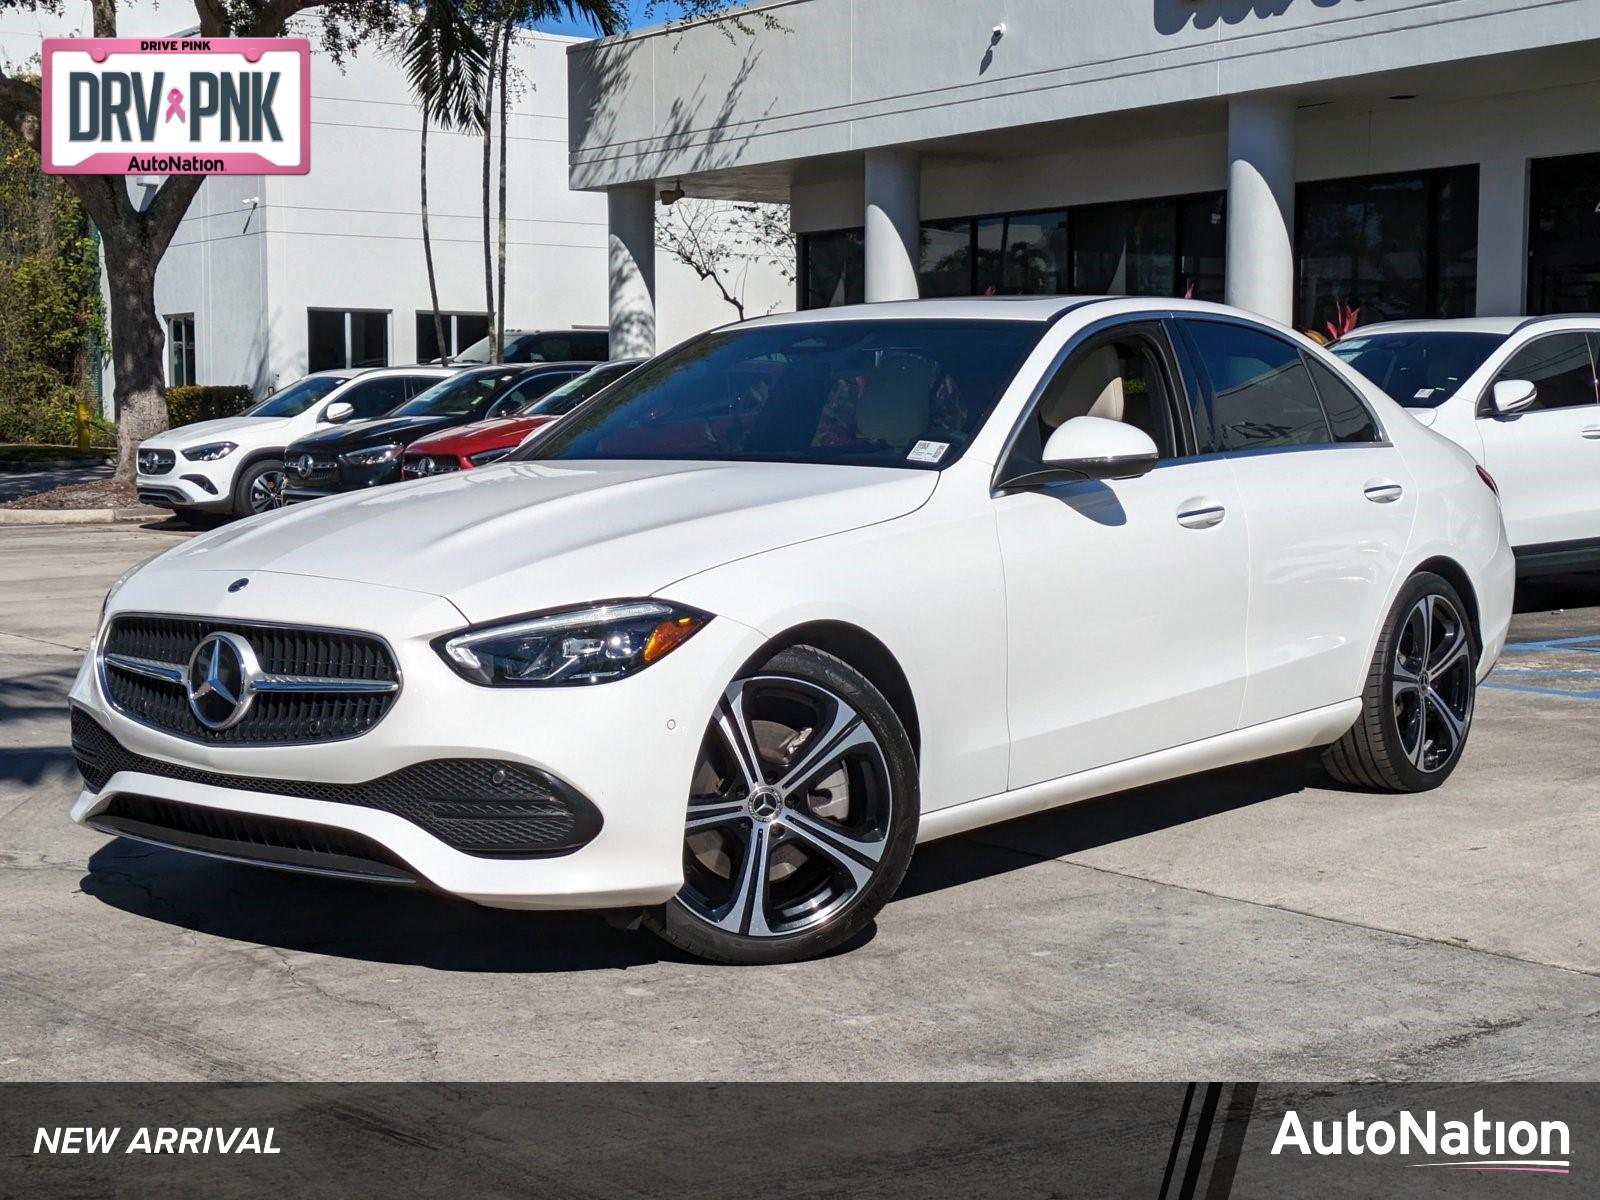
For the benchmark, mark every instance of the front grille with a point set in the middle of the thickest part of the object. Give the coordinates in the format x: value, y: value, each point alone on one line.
x: 156, y: 462
x: 271, y: 841
x: 274, y: 717
x: 419, y: 466
x: 479, y: 806
x: 311, y: 468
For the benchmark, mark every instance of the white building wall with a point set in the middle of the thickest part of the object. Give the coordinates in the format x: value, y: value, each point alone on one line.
x: 1500, y: 133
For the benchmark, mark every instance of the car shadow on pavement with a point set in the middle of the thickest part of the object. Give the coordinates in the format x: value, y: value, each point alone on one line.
x: 1548, y: 592
x: 1104, y: 820
x: 348, y: 919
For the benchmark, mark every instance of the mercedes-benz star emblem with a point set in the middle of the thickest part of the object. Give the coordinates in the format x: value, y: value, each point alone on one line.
x: 303, y: 465
x: 425, y: 466
x: 221, y: 680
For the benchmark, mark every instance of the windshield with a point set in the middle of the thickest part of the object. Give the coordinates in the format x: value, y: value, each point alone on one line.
x: 569, y: 395
x: 1420, y: 370
x: 885, y: 393
x: 296, y: 398
x: 468, y: 394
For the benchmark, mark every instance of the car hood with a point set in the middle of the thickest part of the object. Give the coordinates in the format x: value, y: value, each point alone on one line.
x: 480, y: 435
x: 218, y: 430
x: 520, y: 537
x: 357, y: 435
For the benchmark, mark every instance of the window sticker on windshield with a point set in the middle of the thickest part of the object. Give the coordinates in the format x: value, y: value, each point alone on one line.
x: 927, y: 452
x: 1424, y: 393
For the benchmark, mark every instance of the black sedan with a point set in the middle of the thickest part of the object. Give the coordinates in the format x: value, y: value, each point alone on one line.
x: 363, y: 454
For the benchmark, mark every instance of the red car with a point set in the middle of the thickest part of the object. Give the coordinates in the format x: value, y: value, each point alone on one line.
x: 468, y: 446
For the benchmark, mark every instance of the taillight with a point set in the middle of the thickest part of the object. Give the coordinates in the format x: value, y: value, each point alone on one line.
x: 1488, y: 480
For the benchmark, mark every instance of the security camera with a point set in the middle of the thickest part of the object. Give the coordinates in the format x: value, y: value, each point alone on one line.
x: 998, y: 32
x: 671, y: 195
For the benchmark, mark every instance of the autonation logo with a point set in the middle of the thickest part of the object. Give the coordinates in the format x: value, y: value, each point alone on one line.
x: 1476, y: 1145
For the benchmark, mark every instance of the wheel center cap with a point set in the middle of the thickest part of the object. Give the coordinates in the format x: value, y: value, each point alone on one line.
x: 764, y: 803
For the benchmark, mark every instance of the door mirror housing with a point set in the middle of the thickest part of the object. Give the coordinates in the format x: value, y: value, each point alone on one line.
x: 1513, y: 395
x: 338, y: 412
x: 1092, y: 448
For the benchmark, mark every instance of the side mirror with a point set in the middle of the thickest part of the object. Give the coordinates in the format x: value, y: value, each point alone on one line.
x: 338, y: 412
x: 1513, y: 395
x: 1092, y: 448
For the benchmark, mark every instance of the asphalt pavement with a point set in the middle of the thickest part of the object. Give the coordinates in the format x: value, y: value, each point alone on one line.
x: 1249, y: 923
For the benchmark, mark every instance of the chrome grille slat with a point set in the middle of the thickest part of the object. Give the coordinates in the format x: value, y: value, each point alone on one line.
x: 315, y: 685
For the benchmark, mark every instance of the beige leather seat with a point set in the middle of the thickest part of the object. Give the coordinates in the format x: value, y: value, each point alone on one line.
x: 1093, y: 388
x: 894, y: 402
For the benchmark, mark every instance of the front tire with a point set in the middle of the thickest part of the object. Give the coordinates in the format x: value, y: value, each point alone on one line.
x: 802, y: 815
x: 1421, y: 691
x: 259, y: 488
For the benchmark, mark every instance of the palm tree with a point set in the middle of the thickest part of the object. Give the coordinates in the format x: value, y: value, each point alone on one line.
x: 445, y: 63
x: 502, y: 19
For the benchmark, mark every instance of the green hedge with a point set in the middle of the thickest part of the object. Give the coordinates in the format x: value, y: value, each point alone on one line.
x: 186, y: 405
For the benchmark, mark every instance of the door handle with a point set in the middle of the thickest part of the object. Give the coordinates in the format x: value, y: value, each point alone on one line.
x: 1592, y: 432
x: 1383, y: 493
x: 1201, y: 517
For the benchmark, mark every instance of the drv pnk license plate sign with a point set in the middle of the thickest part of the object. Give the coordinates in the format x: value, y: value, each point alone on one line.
x: 176, y: 106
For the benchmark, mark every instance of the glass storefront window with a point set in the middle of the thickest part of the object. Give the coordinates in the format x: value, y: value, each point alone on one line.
x: 1125, y: 249
x: 1564, y: 234
x: 1024, y: 254
x: 1387, y: 246
x: 832, y: 268
x: 1202, y: 246
x: 945, y: 268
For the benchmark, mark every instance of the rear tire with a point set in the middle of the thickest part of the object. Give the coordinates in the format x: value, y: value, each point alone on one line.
x: 1419, y: 697
x: 259, y: 488
x: 801, y: 819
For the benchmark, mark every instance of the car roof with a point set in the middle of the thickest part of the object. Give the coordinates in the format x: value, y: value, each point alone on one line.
x: 416, y: 369
x: 1504, y: 326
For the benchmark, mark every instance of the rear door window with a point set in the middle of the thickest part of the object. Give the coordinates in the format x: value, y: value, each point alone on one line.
x: 1262, y: 397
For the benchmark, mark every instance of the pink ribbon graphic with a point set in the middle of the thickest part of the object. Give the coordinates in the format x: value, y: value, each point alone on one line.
x: 175, y: 105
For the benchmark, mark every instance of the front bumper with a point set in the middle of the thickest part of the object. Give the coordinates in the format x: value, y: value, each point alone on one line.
x: 341, y: 476
x: 193, y: 485
x: 627, y: 747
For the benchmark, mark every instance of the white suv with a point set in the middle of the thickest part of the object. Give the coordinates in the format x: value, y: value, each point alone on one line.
x: 234, y: 465
x: 1520, y: 394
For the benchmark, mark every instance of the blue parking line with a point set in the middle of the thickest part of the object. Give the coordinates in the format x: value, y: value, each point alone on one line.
x: 1582, y: 644
x: 1542, y: 691
x: 1550, y: 671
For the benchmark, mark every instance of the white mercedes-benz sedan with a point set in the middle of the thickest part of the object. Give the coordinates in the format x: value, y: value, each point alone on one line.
x: 724, y: 644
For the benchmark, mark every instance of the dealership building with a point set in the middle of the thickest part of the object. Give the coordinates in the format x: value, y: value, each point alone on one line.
x: 1300, y: 158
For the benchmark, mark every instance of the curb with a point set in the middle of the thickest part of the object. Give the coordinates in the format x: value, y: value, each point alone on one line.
x: 79, y: 516
x: 24, y: 466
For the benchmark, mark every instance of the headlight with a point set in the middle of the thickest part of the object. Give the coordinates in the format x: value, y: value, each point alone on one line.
x: 372, y: 457
x: 585, y: 645
x: 489, y: 456
x: 210, y: 452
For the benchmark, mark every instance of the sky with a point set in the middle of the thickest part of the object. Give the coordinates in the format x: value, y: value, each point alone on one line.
x: 636, y: 17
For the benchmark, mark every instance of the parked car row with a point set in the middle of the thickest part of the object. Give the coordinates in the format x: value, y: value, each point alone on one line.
x: 337, y: 430
x: 725, y: 643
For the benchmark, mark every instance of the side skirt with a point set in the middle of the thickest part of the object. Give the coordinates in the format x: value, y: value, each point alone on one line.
x: 1318, y: 727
